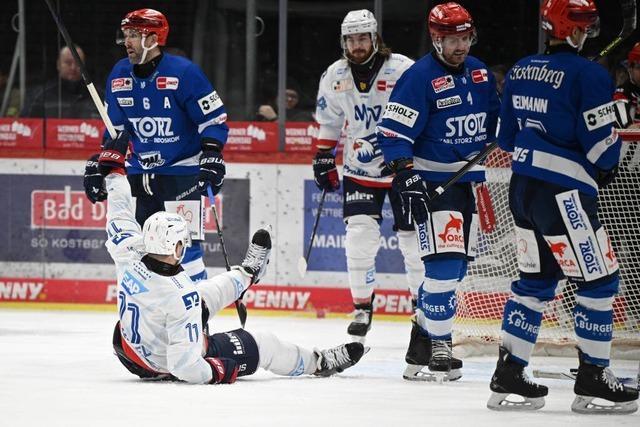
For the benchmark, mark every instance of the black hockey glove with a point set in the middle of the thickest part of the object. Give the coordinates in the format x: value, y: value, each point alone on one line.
x: 325, y: 173
x: 605, y: 178
x: 225, y: 371
x: 93, y: 181
x: 212, y: 168
x: 414, y: 196
x: 113, y: 154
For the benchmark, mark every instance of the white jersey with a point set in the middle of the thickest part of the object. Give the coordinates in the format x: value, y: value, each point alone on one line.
x: 161, y: 316
x: 341, y: 105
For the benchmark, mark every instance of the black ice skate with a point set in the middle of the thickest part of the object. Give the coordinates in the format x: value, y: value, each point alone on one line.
x: 418, y: 357
x: 362, y: 323
x: 339, y: 358
x: 594, y: 382
x: 257, y: 257
x: 510, y: 378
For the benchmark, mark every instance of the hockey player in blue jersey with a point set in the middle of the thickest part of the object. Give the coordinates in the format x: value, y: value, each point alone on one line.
x: 177, y: 123
x: 442, y: 111
x: 557, y: 118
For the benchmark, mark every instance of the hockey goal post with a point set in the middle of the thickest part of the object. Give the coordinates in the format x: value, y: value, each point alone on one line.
x: 485, y: 290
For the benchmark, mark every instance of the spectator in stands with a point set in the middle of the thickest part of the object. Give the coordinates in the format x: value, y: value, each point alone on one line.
x: 295, y: 113
x: 499, y: 72
x: 66, y: 96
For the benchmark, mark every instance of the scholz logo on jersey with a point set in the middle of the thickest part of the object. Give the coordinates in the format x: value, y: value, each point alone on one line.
x: 469, y: 125
x: 190, y: 300
x: 401, y: 114
x: 367, y: 114
x: 210, y: 102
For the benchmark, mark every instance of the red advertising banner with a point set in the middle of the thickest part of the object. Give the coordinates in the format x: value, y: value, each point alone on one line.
x: 256, y: 137
x: 21, y: 133
x: 74, y: 133
x: 66, y: 209
x: 301, y: 136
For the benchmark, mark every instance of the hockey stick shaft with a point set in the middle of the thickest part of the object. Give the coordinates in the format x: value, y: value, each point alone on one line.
x: 240, y: 307
x: 316, y: 221
x: 571, y: 375
x: 83, y: 71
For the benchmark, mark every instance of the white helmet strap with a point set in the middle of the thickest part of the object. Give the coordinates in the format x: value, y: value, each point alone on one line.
x: 146, y: 49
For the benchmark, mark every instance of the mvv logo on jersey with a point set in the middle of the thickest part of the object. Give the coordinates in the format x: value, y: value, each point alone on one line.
x: 167, y: 83
x: 123, y: 83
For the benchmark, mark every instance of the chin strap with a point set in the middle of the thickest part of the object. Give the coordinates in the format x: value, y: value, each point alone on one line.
x: 578, y: 45
x: 145, y: 49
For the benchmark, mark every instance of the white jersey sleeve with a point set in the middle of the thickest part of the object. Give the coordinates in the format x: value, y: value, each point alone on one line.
x: 124, y: 241
x: 184, y: 343
x: 329, y: 113
x: 223, y: 289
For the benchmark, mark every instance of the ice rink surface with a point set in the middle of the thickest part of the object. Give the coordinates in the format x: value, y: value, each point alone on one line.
x: 57, y: 368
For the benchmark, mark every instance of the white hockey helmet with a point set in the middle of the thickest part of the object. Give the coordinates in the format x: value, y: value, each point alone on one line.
x: 162, y: 232
x: 358, y: 22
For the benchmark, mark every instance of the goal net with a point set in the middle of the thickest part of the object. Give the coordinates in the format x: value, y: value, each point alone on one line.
x: 485, y: 290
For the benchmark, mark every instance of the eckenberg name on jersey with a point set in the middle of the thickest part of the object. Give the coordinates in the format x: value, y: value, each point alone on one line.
x: 538, y: 73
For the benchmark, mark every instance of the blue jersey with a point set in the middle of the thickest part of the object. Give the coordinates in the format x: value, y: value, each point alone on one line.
x: 557, y: 118
x: 167, y: 114
x: 440, y: 118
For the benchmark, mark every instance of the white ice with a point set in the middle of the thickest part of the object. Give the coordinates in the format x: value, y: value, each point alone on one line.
x: 57, y: 368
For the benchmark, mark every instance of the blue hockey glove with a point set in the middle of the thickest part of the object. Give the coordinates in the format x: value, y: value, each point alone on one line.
x: 325, y: 173
x: 224, y: 370
x: 93, y: 181
x: 413, y: 194
x: 113, y: 154
x: 212, y: 167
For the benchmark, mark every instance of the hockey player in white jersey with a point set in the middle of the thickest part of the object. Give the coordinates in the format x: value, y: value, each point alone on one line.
x: 558, y: 118
x: 352, y: 95
x: 163, y: 312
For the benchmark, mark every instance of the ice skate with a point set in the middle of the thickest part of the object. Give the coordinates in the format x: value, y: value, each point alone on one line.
x: 257, y: 257
x: 362, y: 322
x: 509, y: 378
x: 598, y: 382
x: 418, y: 357
x: 337, y: 359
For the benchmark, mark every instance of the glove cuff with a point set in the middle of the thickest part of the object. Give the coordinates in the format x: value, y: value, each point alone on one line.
x: 210, y: 144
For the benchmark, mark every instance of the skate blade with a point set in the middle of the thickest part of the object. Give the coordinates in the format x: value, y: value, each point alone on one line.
x: 415, y: 373
x: 499, y: 402
x: 585, y: 405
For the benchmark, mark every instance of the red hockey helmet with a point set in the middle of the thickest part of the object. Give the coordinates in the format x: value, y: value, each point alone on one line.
x: 560, y: 17
x: 634, y: 54
x: 449, y: 19
x: 147, y: 21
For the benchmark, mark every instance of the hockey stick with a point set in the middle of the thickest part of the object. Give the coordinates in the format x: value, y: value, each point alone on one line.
x: 302, y: 262
x: 240, y: 307
x: 573, y: 373
x: 83, y: 71
x: 628, y: 26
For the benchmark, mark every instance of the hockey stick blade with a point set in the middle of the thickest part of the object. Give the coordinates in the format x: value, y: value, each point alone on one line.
x: 302, y: 266
x: 628, y: 8
x: 571, y: 375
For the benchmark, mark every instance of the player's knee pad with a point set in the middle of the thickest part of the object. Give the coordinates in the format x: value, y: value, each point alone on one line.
x: 445, y: 268
x: 408, y: 243
x: 542, y: 290
x: 362, y: 241
x: 281, y: 357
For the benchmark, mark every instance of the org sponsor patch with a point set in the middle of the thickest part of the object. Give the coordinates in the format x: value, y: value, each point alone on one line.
x: 401, y: 114
x: 125, y: 102
x: 448, y: 102
x: 210, y: 102
x: 443, y: 83
x: 562, y: 251
x: 479, y: 76
x: 120, y: 84
x: 449, y: 231
x: 167, y: 83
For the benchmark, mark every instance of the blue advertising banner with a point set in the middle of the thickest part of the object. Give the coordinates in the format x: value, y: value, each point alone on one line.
x: 328, y: 248
x: 49, y: 219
